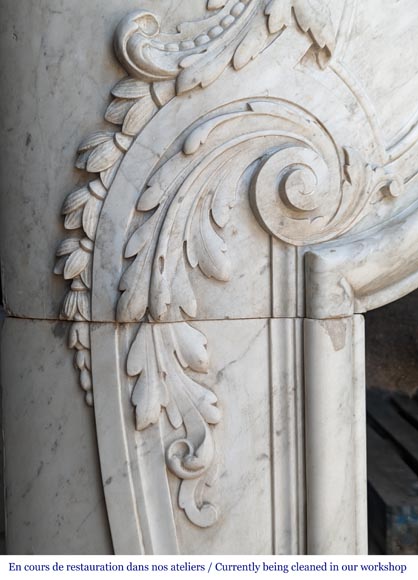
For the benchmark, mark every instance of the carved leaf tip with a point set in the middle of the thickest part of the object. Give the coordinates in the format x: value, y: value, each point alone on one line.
x: 141, y: 237
x: 91, y: 215
x: 68, y: 246
x: 73, y: 220
x: 150, y: 198
x: 76, y: 263
x: 279, y: 14
x: 130, y: 88
x: 75, y: 200
x: 191, y: 347
x: 79, y: 336
x: 138, y: 116
x: 117, y: 110
x: 196, y: 138
x: 103, y: 156
x: 148, y: 397
x: 94, y: 140
x: 89, y: 398
x: 150, y: 393
x: 314, y: 16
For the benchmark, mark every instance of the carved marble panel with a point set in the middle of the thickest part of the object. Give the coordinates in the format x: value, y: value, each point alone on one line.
x: 255, y: 165
x: 218, y: 468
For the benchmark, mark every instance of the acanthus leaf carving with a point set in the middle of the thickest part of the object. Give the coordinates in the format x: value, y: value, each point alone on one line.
x: 236, y: 33
x: 304, y: 189
x: 159, y: 357
x: 314, y: 16
x: 182, y: 230
x: 279, y: 14
x: 229, y: 38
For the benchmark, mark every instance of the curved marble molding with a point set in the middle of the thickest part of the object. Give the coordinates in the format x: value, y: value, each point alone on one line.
x: 260, y: 97
x: 366, y: 272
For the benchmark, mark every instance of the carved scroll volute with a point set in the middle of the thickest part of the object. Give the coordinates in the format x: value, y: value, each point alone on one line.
x: 133, y: 40
x: 304, y: 196
x: 297, y: 195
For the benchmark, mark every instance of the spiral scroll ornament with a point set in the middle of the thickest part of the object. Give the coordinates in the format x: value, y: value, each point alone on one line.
x: 302, y: 197
x: 304, y: 189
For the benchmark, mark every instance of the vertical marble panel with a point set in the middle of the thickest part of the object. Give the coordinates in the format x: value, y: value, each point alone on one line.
x: 324, y: 108
x: 335, y: 435
x: 142, y: 495
x: 287, y: 435
x: 242, y: 488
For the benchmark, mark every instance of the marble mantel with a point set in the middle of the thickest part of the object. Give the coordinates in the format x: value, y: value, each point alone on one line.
x: 246, y: 192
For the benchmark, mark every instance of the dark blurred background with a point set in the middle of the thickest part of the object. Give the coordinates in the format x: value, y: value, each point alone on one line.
x: 392, y: 346
x: 392, y: 418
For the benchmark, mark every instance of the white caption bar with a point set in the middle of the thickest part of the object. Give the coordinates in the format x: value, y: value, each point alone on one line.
x: 200, y: 567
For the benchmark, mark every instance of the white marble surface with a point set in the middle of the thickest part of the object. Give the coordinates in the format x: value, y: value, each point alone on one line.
x: 335, y: 436
x: 364, y: 273
x: 55, y: 502
x: 56, y: 77
x: 56, y: 91
x: 241, y: 140
x: 240, y: 490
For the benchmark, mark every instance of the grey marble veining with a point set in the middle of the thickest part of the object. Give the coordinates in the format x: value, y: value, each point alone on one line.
x: 244, y: 188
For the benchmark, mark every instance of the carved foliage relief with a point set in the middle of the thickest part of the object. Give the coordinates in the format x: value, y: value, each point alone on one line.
x: 199, y: 52
x: 304, y: 189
